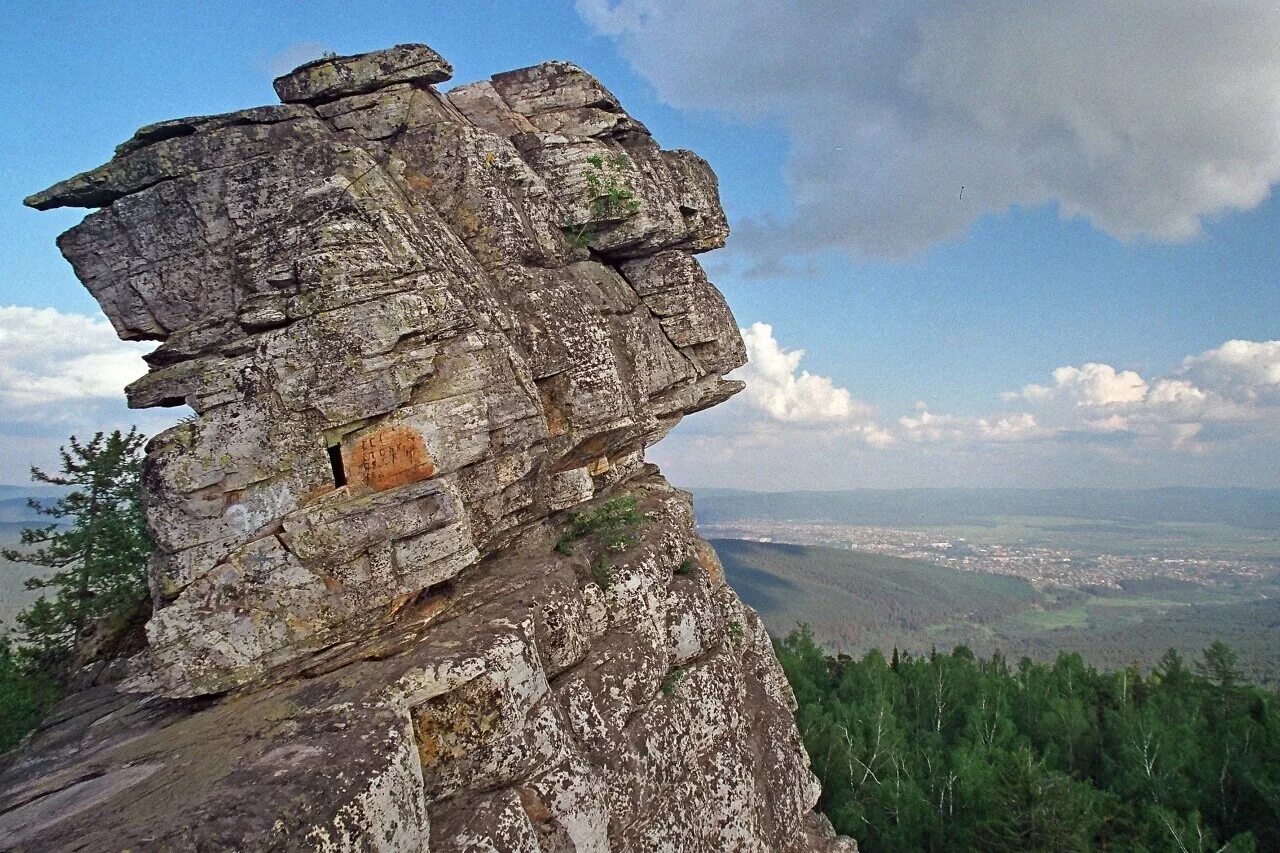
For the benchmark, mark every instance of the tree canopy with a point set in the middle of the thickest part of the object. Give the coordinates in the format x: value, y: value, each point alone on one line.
x: 951, y: 752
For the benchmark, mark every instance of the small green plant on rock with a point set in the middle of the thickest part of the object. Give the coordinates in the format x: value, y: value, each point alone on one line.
x: 602, y: 572
x: 737, y: 632
x: 613, y: 521
x: 686, y: 567
x: 673, y: 679
x: 609, y: 196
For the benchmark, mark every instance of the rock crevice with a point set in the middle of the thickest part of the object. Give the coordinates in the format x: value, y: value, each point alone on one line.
x: 418, y: 330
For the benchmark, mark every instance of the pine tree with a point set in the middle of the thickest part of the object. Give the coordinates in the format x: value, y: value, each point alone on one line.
x: 96, y: 550
x: 1218, y: 665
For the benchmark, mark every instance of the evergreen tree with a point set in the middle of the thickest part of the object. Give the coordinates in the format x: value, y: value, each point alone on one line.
x: 96, y: 551
x: 1218, y: 665
x: 25, y: 695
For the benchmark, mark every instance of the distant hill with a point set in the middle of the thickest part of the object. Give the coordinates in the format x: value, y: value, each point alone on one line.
x: 15, y: 514
x: 18, y: 511
x: 856, y: 601
x: 14, y: 597
x: 1257, y: 509
x: 38, y: 490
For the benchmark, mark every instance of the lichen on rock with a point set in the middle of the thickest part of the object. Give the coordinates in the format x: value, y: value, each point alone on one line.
x: 417, y: 329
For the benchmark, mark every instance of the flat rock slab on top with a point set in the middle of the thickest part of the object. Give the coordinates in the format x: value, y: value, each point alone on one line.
x: 337, y: 76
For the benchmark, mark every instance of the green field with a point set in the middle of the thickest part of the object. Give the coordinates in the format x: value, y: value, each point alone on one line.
x: 856, y: 601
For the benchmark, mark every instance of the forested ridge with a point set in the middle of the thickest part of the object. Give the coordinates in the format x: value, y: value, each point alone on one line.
x: 953, y: 752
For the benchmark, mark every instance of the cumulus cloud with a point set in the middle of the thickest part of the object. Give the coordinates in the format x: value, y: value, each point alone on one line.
x: 1246, y: 371
x: 1143, y: 117
x: 777, y: 386
x: 1212, y: 418
x: 1232, y: 388
x: 1235, y: 383
x: 63, y: 374
x: 925, y: 426
x: 783, y: 404
x: 51, y: 358
x: 1088, y: 385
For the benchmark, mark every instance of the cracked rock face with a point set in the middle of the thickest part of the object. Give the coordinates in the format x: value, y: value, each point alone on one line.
x: 417, y: 329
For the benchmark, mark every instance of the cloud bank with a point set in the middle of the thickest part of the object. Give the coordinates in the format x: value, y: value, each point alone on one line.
x: 63, y: 374
x: 1143, y: 117
x: 1213, y: 418
x: 1237, y: 383
x: 48, y: 358
x: 776, y: 385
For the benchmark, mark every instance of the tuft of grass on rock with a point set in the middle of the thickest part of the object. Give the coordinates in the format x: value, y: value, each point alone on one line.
x: 672, y: 682
x: 613, y: 521
x: 602, y: 571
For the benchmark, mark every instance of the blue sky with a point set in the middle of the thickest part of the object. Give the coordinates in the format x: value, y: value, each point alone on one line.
x: 1117, y: 213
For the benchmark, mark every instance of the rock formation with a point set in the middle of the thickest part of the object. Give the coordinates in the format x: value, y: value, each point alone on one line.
x: 415, y: 587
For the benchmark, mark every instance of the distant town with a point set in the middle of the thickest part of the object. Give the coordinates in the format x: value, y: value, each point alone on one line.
x: 1045, y: 566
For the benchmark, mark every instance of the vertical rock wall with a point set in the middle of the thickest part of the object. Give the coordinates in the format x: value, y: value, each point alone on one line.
x: 416, y: 329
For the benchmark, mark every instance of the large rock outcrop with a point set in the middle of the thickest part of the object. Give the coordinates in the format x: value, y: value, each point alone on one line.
x: 419, y: 331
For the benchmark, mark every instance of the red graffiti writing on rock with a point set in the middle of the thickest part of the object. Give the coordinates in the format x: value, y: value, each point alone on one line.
x: 392, y: 456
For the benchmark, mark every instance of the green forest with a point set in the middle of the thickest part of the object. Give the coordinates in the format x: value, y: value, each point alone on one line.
x: 953, y: 752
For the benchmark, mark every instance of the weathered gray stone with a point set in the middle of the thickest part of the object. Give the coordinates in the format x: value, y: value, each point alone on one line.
x: 335, y: 76
x: 415, y: 331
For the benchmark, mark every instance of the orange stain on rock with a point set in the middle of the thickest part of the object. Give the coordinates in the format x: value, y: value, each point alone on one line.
x: 417, y: 182
x: 392, y: 456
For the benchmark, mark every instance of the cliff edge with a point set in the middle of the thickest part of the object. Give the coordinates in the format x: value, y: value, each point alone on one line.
x: 415, y: 587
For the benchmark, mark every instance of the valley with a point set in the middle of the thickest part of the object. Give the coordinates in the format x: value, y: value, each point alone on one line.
x: 914, y: 591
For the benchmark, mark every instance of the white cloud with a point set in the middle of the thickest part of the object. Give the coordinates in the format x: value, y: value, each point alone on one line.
x: 1020, y: 427
x: 1234, y: 385
x: 925, y: 426
x: 48, y: 357
x: 1145, y: 117
x: 1246, y: 371
x: 1212, y: 419
x: 782, y: 410
x: 63, y: 374
x: 1090, y: 384
x: 777, y: 386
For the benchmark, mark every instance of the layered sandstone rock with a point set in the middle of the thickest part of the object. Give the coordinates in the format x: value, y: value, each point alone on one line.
x: 417, y: 329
